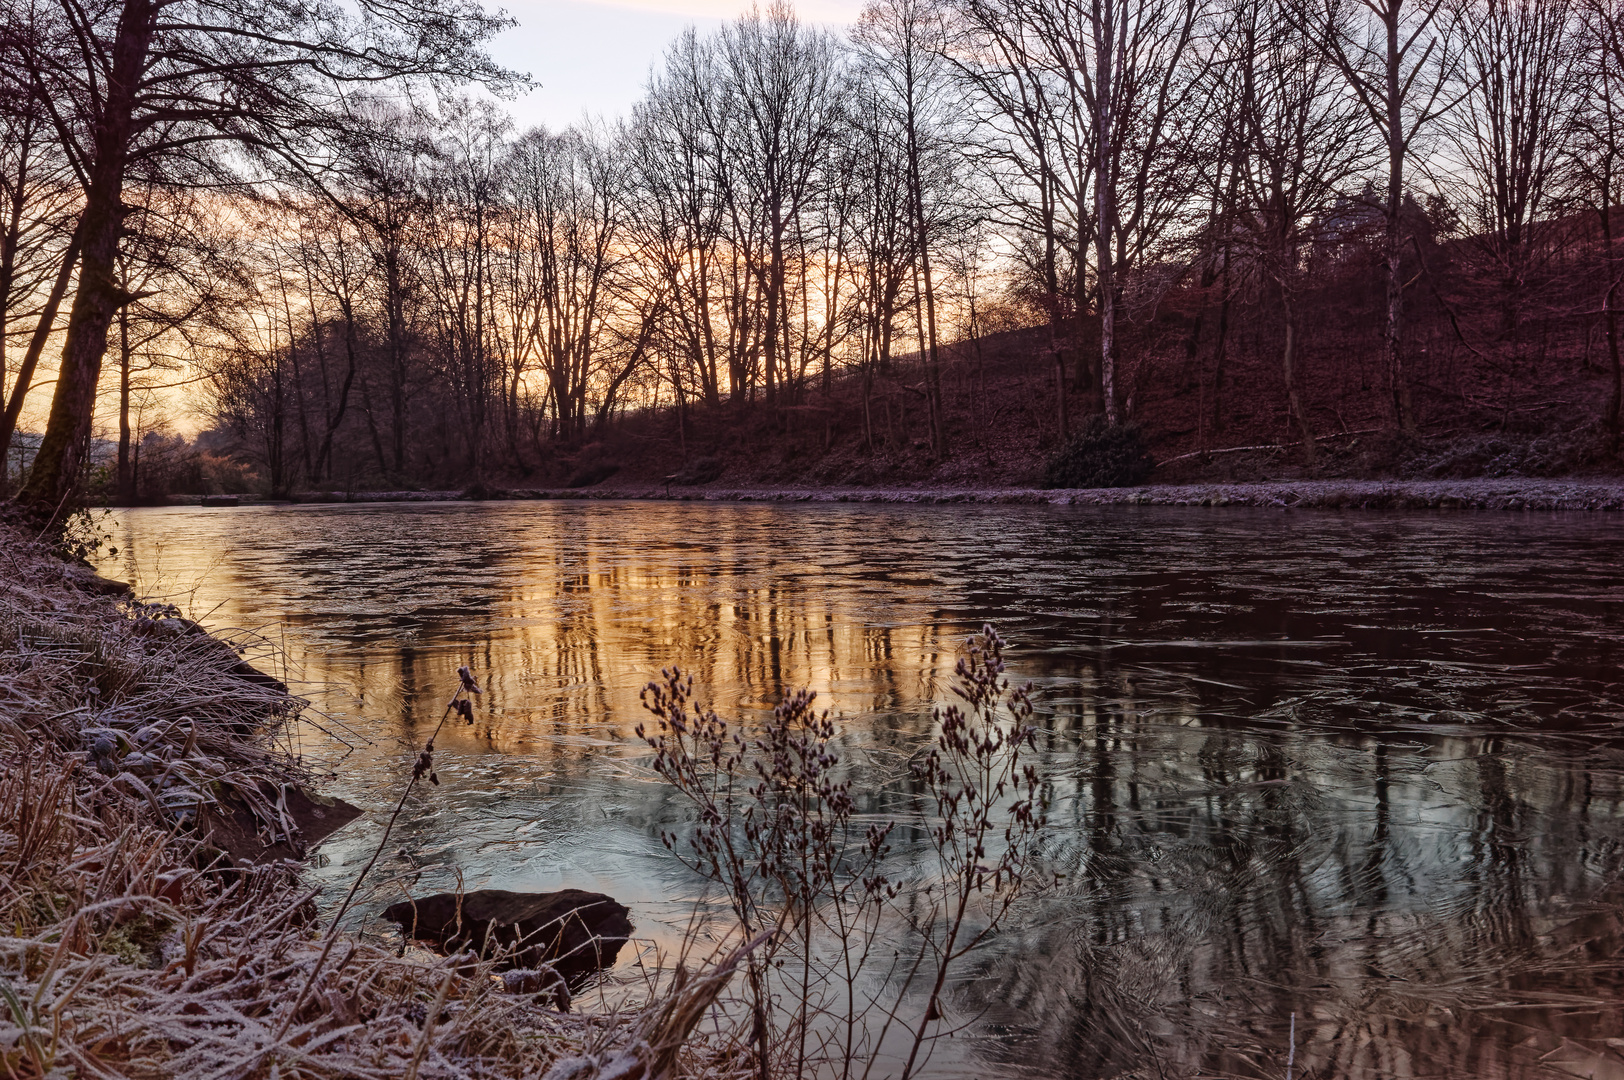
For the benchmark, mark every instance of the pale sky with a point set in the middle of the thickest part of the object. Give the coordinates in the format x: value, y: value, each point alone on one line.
x: 594, y: 58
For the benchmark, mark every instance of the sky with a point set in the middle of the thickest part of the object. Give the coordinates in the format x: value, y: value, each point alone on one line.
x: 594, y: 58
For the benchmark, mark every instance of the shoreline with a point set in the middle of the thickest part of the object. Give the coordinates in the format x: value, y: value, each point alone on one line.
x: 161, y: 917
x: 1601, y: 494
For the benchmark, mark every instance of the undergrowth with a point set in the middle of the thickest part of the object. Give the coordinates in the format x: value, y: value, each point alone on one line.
x: 1101, y: 455
x: 851, y: 976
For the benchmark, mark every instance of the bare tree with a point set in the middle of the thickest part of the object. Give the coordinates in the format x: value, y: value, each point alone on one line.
x: 1033, y: 130
x: 146, y: 87
x: 1517, y: 103
x: 903, y: 43
x: 780, y: 82
x: 38, y: 201
x: 1597, y: 157
x: 882, y: 244
x: 689, y: 223
x: 464, y: 213
x: 1299, y: 143
x: 568, y: 193
x: 1399, y: 58
x: 377, y: 182
x: 181, y: 269
x: 1134, y: 71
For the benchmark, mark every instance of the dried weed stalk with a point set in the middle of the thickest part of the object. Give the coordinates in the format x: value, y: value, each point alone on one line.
x: 778, y: 828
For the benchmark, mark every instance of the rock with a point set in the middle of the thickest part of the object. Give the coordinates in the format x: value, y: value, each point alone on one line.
x: 231, y: 826
x: 90, y: 581
x: 574, y: 932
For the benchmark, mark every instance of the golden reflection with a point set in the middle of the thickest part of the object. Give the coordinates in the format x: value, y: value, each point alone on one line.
x: 564, y: 621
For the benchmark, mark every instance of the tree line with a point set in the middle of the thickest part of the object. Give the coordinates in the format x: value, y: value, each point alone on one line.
x: 304, y: 223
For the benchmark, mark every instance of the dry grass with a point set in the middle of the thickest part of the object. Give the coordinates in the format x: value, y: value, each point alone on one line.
x: 129, y: 948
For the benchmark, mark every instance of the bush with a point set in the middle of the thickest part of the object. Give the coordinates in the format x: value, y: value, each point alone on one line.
x: 1100, y: 456
x: 700, y: 470
x: 593, y: 473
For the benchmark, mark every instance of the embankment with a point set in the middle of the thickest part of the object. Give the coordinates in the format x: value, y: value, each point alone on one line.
x: 1471, y: 494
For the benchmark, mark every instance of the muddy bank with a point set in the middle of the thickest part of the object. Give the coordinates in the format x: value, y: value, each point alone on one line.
x: 1506, y: 494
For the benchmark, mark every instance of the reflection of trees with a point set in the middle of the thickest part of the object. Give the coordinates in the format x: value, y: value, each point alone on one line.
x: 568, y: 620
x: 1450, y: 920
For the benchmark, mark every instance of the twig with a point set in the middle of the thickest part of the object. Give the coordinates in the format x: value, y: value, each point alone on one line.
x: 466, y: 684
x: 1267, y: 446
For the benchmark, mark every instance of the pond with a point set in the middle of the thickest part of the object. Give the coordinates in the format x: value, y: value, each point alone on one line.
x: 1343, y: 788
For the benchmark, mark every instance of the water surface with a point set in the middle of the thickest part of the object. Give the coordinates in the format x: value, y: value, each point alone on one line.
x: 1352, y: 775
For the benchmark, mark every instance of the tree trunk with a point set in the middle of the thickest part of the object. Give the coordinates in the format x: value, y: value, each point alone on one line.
x: 1105, y: 206
x: 1060, y: 395
x: 1288, y: 361
x: 126, y: 467
x: 36, y: 347
x: 1397, y: 378
x: 1615, y: 396
x: 932, y: 357
x: 1220, y: 349
x: 54, y: 478
x: 397, y: 358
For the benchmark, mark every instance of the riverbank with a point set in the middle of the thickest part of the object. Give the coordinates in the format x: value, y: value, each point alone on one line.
x: 157, y: 922
x: 1480, y: 494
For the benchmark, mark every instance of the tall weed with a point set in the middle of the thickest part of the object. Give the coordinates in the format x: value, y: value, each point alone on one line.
x: 857, y: 956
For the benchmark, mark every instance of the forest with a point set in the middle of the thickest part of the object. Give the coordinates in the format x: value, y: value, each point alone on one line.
x: 294, y: 252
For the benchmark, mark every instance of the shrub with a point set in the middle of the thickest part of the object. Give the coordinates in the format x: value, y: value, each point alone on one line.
x: 594, y: 473
x: 807, y: 873
x: 1099, y: 456
x: 701, y: 470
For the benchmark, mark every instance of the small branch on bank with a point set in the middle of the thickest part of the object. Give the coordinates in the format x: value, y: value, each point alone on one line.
x: 1267, y: 446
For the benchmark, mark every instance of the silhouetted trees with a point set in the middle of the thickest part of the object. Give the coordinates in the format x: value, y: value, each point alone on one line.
x: 393, y: 289
x: 156, y: 91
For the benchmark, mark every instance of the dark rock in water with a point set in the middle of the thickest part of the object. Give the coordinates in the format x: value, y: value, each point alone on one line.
x: 574, y: 932
x: 230, y: 826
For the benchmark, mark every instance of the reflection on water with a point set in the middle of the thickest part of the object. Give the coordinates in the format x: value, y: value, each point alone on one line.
x: 1353, y: 767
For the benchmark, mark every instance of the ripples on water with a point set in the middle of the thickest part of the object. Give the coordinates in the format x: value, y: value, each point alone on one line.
x: 1357, y: 767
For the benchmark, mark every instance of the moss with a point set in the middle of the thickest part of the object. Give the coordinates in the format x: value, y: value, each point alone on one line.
x: 138, y: 941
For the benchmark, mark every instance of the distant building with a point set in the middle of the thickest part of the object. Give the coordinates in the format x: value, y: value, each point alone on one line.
x: 1351, y: 220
